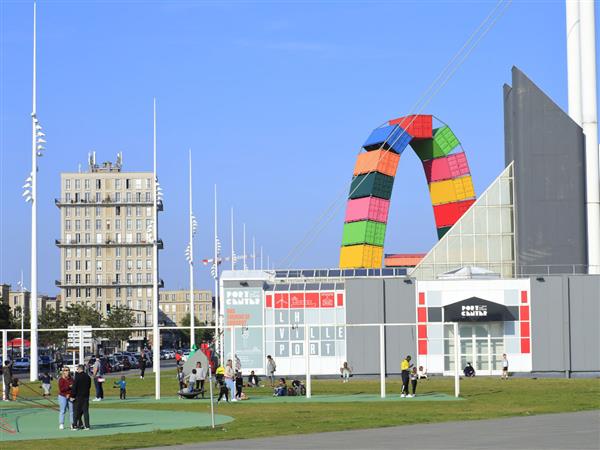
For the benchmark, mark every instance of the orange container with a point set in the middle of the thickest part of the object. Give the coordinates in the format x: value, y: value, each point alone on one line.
x: 382, y: 161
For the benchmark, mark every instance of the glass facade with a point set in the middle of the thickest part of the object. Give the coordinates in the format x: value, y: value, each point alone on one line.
x: 483, y: 237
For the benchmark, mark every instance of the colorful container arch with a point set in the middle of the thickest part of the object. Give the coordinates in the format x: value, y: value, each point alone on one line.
x: 446, y: 170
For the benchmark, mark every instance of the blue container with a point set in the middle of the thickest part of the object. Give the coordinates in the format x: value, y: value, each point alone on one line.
x: 394, y: 137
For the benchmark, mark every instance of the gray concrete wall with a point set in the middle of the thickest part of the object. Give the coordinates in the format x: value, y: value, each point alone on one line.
x: 564, y: 317
x: 549, y: 167
x: 400, y: 307
x: 364, y: 304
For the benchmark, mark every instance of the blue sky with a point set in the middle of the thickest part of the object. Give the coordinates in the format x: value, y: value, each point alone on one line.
x: 274, y: 98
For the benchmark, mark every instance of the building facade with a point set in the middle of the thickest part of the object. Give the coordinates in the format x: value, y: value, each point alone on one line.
x: 175, y: 305
x: 106, y: 242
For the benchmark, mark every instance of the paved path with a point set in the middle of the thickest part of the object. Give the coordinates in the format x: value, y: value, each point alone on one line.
x: 573, y: 431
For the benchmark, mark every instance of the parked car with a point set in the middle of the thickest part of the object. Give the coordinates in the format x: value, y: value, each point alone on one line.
x: 46, y: 362
x: 114, y: 364
x: 21, y: 364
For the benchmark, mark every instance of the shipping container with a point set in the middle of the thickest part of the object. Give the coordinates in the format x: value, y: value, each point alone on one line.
x: 443, y: 142
x: 367, y: 208
x: 364, y: 232
x: 446, y: 167
x: 403, y: 260
x: 382, y: 161
x: 372, y: 184
x: 419, y: 126
x: 449, y: 191
x: 391, y: 137
x: 448, y: 213
x: 442, y: 231
x: 361, y: 256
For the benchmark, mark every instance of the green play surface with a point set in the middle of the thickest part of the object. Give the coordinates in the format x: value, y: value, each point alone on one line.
x: 42, y: 423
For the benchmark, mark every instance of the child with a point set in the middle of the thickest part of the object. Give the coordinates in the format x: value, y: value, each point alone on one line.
x: 46, y: 379
x: 180, y: 379
x: 191, y: 378
x: 15, y: 389
x: 414, y: 376
x: 122, y: 385
x: 223, y: 391
x: 346, y: 372
x: 239, y: 384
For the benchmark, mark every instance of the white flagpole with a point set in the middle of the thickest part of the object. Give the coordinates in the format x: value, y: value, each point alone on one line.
x: 33, y: 314
x: 155, y: 332
x: 22, y: 316
x: 218, y: 322
x: 191, y: 263
x: 244, y: 265
x: 261, y: 257
x: 253, y: 254
x: 232, y: 243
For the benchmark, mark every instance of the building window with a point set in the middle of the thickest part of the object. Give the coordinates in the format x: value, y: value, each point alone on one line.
x: 98, y: 197
x: 98, y: 278
x: 88, y: 292
x: 87, y: 211
x: 148, y: 211
x: 88, y: 265
x: 86, y: 184
x: 77, y: 184
x: 138, y: 196
x: 148, y: 197
x: 67, y: 265
x: 67, y: 184
x: 139, y: 293
x: 77, y: 279
x: 118, y: 292
x: 87, y: 224
x: 148, y: 293
x: 67, y: 211
x: 68, y: 292
x: 98, y: 184
x: 68, y: 251
x: 128, y: 197
x: 118, y: 278
x: 78, y: 225
x: 129, y: 291
x: 86, y: 197
x: 148, y: 252
x: 99, y: 292
x: 87, y: 278
x: 98, y: 252
x: 87, y: 238
x: 148, y: 264
x: 117, y: 183
x: 68, y: 278
x: 99, y: 265
x: 138, y: 183
x: 78, y: 265
x: 78, y: 293
x: 148, y: 278
x: 129, y: 278
x: 128, y: 211
x: 67, y: 225
x: 138, y: 277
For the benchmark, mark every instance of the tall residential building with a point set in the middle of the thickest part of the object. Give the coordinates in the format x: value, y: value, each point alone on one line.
x: 106, y: 255
x: 175, y: 305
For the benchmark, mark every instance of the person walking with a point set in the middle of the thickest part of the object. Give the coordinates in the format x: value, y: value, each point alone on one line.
x: 98, y: 375
x: 504, y: 367
x: 80, y: 395
x: 142, y: 364
x: 7, y: 377
x: 229, y: 379
x: 64, y: 398
x: 405, y: 367
x: 271, y: 368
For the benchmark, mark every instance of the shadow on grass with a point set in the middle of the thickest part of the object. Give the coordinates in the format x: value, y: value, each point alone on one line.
x: 118, y: 425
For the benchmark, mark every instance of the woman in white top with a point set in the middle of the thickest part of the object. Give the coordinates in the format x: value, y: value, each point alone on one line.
x: 229, y: 379
x: 504, y: 367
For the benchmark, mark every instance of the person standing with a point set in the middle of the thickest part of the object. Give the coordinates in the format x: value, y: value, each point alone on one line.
x: 178, y: 358
x: 200, y: 377
x: 98, y: 376
x: 346, y: 372
x: 414, y: 377
x: 46, y: 380
x: 122, y: 385
x: 504, y: 367
x: 229, y: 379
x: 64, y: 397
x: 80, y: 395
x: 271, y: 368
x: 142, y: 365
x: 405, y: 368
x: 7, y: 377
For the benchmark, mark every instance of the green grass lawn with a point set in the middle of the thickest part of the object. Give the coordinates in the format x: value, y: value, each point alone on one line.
x: 483, y: 398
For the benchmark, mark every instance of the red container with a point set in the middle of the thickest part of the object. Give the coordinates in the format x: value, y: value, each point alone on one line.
x: 448, y: 213
x: 419, y: 126
x: 367, y: 208
x: 446, y: 167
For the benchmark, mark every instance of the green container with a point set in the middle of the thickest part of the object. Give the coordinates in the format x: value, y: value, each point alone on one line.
x: 442, y: 231
x: 372, y: 184
x: 364, y: 232
x: 443, y: 142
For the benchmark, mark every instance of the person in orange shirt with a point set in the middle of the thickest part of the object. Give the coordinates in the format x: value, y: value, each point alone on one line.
x: 15, y: 389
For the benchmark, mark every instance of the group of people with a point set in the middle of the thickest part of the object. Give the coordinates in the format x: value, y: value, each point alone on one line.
x: 410, y: 377
x: 74, y: 397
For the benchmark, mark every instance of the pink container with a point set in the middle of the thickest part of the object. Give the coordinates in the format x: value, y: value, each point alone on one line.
x: 447, y: 167
x: 367, y: 208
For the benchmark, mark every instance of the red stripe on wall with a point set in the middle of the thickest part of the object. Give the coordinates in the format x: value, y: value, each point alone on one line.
x: 524, y: 329
x: 422, y: 346
x: 421, y: 298
x: 524, y: 312
x: 340, y: 299
x: 422, y: 314
x: 525, y: 345
x: 523, y: 296
x: 269, y: 301
x: 422, y: 331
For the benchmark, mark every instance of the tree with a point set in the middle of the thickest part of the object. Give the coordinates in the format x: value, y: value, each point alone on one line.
x: 83, y: 315
x: 15, y: 318
x: 119, y: 317
x: 53, y: 319
x: 5, y: 316
x: 200, y: 334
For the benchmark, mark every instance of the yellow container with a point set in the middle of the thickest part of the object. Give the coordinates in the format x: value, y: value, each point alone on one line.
x: 449, y: 191
x: 361, y: 256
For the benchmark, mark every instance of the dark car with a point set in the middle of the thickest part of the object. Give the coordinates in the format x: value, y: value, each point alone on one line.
x: 46, y: 362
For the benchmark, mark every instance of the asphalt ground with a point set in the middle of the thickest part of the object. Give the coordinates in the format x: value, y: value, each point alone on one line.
x: 573, y: 431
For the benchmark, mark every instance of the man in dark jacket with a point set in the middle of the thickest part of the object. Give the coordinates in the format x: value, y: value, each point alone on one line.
x: 7, y: 378
x: 80, y: 393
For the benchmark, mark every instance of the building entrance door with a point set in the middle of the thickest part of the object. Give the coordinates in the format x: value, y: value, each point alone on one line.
x: 481, y: 344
